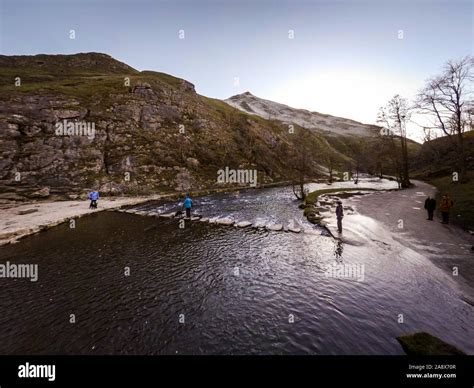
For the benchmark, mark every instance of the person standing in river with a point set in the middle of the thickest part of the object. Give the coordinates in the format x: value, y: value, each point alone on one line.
x: 445, y: 207
x: 339, y: 215
x: 430, y: 206
x: 188, y: 204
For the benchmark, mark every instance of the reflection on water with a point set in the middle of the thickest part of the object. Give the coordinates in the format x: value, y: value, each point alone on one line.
x: 338, y: 250
x: 185, y: 296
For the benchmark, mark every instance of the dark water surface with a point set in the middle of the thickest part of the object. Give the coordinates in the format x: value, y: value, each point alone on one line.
x: 236, y: 289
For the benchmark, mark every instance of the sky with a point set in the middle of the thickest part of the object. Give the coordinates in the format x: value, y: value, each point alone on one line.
x: 345, y: 58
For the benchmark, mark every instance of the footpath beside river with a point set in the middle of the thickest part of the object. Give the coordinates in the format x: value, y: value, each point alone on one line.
x: 403, y: 215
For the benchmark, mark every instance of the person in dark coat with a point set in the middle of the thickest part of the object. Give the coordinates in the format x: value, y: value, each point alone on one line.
x: 430, y: 206
x: 339, y: 215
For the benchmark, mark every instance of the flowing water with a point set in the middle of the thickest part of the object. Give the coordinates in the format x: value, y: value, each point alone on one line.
x: 211, y: 289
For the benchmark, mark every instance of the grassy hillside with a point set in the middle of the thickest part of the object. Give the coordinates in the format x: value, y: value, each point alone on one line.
x: 435, y: 163
x: 438, y: 157
x: 149, y: 125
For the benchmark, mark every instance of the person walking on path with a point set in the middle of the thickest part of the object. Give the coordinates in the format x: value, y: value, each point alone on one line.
x: 188, y: 204
x: 445, y: 207
x: 339, y: 215
x: 94, y: 197
x: 430, y: 206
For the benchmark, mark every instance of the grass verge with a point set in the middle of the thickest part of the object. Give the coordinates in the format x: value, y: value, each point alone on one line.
x: 312, y: 197
x: 462, y: 194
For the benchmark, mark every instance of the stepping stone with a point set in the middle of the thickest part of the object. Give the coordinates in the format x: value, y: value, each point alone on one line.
x: 167, y: 215
x: 243, y: 224
x: 27, y: 211
x: 321, y: 209
x: 195, y: 218
x: 274, y: 227
x: 294, y: 229
x: 204, y: 219
x: 225, y: 221
x: 213, y: 220
x: 259, y: 224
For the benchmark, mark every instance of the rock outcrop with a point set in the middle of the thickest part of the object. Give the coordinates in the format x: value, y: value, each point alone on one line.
x: 425, y: 344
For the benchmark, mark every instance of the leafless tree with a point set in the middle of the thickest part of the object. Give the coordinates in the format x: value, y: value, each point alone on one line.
x: 448, y: 99
x: 394, y: 117
x: 389, y: 156
x: 328, y: 159
x: 301, y: 162
x: 434, y: 152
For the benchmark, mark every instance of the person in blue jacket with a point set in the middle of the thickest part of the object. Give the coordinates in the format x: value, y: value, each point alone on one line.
x: 94, y: 197
x: 188, y: 204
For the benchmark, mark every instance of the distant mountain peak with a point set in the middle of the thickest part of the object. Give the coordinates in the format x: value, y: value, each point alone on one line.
x: 332, y: 125
x: 241, y: 95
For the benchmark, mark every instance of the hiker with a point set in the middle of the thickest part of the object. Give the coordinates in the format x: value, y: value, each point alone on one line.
x: 94, y: 197
x: 445, y: 207
x: 339, y: 215
x: 188, y: 204
x: 430, y: 206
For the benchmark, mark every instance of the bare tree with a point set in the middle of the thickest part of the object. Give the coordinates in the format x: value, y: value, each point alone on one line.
x: 433, y: 151
x: 379, y: 150
x: 328, y: 159
x: 301, y: 162
x: 447, y: 98
x: 358, y: 151
x: 394, y: 117
x: 390, y: 153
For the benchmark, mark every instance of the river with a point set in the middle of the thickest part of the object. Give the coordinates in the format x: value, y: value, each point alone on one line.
x: 212, y: 289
